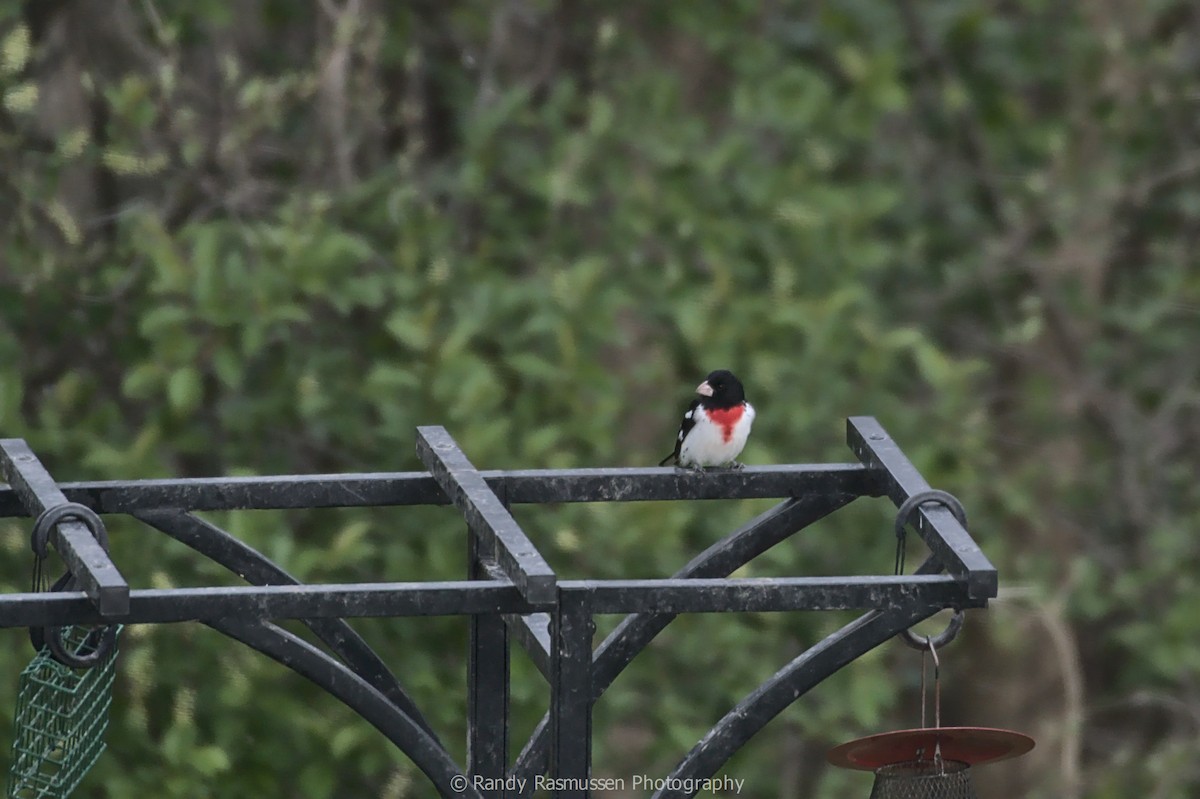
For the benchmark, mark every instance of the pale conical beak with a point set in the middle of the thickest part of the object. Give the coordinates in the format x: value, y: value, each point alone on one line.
x: 704, y: 389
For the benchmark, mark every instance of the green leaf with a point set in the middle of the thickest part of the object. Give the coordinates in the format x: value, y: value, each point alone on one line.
x: 15, y: 50
x: 143, y: 380
x: 209, y: 760
x: 409, y: 330
x: 184, y: 390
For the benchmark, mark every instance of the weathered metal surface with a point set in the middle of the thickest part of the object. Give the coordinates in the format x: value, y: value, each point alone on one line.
x: 329, y: 601
x: 943, y: 534
x: 637, y: 630
x: 511, y: 591
x: 771, y: 594
x: 486, y: 514
x: 571, y: 632
x: 381, y: 489
x: 79, y: 549
x: 532, y: 631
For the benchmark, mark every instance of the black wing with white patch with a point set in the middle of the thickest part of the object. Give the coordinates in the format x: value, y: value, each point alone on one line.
x: 685, y: 427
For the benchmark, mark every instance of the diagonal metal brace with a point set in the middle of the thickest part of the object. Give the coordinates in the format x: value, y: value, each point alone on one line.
x: 486, y: 515
x: 946, y: 538
x: 532, y: 630
x: 83, y: 554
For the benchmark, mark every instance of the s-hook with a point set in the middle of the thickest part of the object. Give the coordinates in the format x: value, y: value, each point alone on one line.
x: 906, y: 510
x: 99, y: 641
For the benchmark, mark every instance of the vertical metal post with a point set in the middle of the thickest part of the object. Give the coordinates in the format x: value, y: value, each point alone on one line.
x: 487, y: 685
x: 571, y: 631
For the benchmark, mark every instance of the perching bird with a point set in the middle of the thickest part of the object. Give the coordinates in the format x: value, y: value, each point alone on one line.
x: 715, y: 426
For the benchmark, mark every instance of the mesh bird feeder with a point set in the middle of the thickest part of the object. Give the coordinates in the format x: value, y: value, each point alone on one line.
x: 65, y: 692
x: 928, y: 762
x: 62, y: 714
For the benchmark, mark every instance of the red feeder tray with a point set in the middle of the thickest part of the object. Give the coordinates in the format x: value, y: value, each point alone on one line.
x: 970, y: 745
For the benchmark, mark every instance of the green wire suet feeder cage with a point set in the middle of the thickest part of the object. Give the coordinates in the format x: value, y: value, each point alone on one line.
x: 65, y: 692
x: 62, y: 714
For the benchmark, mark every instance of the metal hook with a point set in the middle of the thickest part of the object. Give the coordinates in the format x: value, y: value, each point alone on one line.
x: 905, y: 511
x: 922, y: 642
x: 937, y: 697
x: 937, y: 684
x: 923, y: 691
x: 52, y: 517
x: 943, y: 498
x: 100, y: 641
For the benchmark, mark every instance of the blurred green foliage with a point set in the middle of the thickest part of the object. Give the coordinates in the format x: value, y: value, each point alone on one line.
x: 268, y: 237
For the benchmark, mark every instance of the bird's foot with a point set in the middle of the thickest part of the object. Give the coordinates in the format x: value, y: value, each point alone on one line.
x: 689, y: 469
x: 737, y: 465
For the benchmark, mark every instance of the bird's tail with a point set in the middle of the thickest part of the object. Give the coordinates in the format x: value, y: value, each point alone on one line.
x: 667, y: 459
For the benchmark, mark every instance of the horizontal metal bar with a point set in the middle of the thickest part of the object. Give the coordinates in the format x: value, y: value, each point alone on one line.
x: 466, y: 597
x: 85, y: 557
x: 527, y: 486
x: 658, y: 483
x: 272, y: 602
x: 486, y: 515
x: 765, y: 594
x: 942, y: 533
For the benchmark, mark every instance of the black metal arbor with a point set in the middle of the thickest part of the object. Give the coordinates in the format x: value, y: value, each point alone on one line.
x: 510, y: 592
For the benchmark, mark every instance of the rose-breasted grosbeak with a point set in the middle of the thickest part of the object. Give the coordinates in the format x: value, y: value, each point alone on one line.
x: 715, y: 426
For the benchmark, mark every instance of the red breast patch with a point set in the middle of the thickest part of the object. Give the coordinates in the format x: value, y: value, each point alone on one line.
x: 726, y: 418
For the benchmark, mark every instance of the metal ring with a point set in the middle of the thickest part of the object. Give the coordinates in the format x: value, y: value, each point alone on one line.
x: 925, y: 643
x: 52, y: 517
x: 37, y: 635
x: 101, y: 640
x: 907, y: 508
x: 943, y: 498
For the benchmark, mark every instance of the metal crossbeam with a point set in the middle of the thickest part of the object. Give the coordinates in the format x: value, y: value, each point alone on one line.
x: 510, y: 591
x: 79, y: 549
x: 770, y: 594
x: 946, y: 538
x: 360, y: 600
x: 485, y: 514
x: 350, y: 600
x: 520, y: 487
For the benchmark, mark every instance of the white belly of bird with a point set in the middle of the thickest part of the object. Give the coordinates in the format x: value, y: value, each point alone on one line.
x: 705, y: 444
